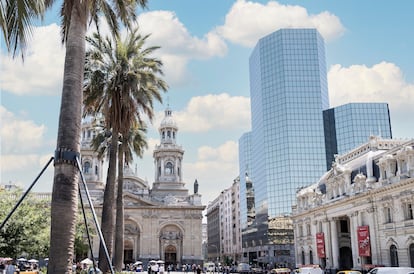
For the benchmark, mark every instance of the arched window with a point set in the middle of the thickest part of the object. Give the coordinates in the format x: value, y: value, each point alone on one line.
x: 393, y: 255
x: 169, y: 168
x: 411, y: 254
x: 303, y: 257
x: 310, y: 257
x: 96, y: 170
x: 86, y: 167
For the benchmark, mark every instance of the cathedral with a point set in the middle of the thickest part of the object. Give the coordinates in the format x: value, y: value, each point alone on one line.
x: 162, y: 222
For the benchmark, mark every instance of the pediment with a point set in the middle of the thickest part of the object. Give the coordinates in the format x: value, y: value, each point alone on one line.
x: 131, y: 200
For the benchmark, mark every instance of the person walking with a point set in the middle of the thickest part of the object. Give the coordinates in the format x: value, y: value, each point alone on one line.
x: 10, y: 267
x: 198, y: 269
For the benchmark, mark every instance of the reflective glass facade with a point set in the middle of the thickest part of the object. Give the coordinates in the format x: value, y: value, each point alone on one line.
x: 350, y: 125
x: 245, y: 160
x: 288, y: 90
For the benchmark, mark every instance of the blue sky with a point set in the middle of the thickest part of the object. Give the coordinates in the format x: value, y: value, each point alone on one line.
x: 205, y: 47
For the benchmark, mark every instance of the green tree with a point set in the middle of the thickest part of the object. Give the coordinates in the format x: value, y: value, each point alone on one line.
x: 27, y: 231
x: 81, y: 242
x: 121, y: 82
x: 75, y: 17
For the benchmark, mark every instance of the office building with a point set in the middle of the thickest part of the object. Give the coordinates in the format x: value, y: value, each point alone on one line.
x: 288, y: 89
x: 349, y: 126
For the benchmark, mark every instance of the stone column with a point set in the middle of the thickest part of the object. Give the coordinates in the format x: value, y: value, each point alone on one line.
x: 335, y: 245
x: 373, y: 228
x: 353, y: 225
x: 328, y: 243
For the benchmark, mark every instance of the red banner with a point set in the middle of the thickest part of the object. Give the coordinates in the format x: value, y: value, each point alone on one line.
x: 364, y: 244
x: 320, y: 245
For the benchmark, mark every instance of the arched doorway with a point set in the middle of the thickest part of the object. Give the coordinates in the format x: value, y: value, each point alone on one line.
x: 128, y: 252
x: 170, y: 255
x: 171, y: 244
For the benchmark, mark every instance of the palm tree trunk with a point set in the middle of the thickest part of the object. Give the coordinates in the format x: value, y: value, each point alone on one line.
x: 119, y: 224
x: 107, y: 225
x: 64, y: 205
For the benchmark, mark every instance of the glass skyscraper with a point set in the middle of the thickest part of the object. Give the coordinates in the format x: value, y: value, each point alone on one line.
x: 288, y: 90
x: 350, y: 125
x: 294, y: 137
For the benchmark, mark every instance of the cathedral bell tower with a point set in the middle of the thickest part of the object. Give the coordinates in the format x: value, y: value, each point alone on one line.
x: 168, y: 157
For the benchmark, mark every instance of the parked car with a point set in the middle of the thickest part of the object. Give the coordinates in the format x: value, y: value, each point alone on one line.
x: 280, y: 271
x: 244, y: 268
x: 257, y: 270
x: 310, y: 270
x: 392, y: 270
x: 349, y: 272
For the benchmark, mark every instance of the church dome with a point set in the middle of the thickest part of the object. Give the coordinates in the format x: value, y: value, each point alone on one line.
x: 168, y: 121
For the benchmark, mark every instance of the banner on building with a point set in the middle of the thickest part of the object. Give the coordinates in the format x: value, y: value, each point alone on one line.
x: 320, y: 245
x: 364, y: 244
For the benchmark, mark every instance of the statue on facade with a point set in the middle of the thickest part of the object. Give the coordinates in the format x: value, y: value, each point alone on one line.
x: 195, y: 187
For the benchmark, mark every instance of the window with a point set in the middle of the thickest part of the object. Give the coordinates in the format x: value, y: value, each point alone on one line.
x: 344, y: 226
x: 393, y: 255
x: 408, y: 211
x: 169, y: 168
x: 308, y: 229
x: 303, y: 257
x: 411, y: 254
x: 388, y: 215
x: 310, y: 257
x: 86, y: 167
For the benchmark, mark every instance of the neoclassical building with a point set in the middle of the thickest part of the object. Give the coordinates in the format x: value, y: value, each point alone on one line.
x: 161, y: 222
x: 360, y: 212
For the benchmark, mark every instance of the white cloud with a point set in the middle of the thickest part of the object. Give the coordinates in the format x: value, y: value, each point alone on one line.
x: 248, y: 21
x: 383, y: 82
x: 22, y: 157
x: 228, y: 152
x: 19, y: 136
x: 178, y: 46
x: 215, y: 169
x: 167, y: 31
x: 212, y: 112
x: 42, y: 70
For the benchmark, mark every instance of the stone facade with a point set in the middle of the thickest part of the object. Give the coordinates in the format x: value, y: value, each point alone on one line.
x: 163, y: 222
x: 360, y: 213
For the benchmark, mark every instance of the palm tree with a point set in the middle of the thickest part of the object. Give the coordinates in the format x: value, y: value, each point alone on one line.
x: 16, y: 21
x: 133, y: 141
x: 121, y: 81
x: 75, y: 17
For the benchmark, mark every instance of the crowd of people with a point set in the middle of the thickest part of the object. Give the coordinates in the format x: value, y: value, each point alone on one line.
x: 10, y: 266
